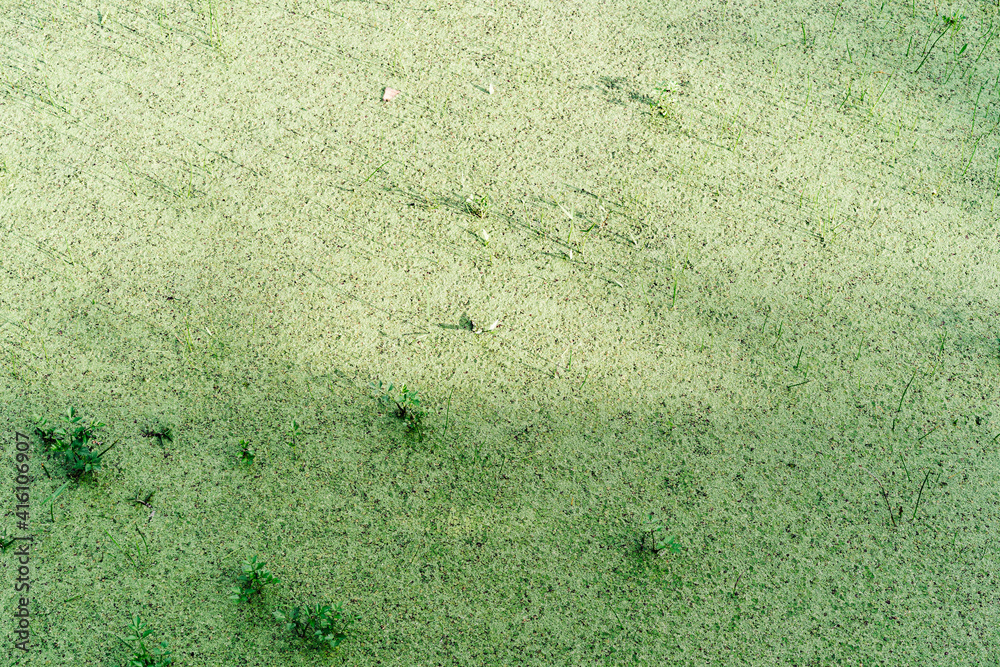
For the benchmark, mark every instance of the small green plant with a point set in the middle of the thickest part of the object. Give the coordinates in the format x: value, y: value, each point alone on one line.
x: 75, y: 442
x: 662, y: 107
x: 953, y: 22
x: 161, y: 432
x: 323, y: 626
x: 139, y: 500
x: 141, y: 655
x: 248, y: 453
x: 406, y: 405
x: 478, y: 206
x: 406, y: 401
x: 293, y: 435
x: 807, y: 43
x: 655, y: 539
x: 251, y: 581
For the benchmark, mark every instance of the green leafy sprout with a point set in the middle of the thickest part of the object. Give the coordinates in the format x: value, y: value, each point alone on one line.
x: 293, y: 435
x: 953, y: 22
x: 478, y: 206
x: 251, y: 581
x: 406, y: 405
x: 142, y: 656
x: 323, y: 626
x: 247, y: 453
x: 75, y: 442
x: 160, y: 432
x: 406, y: 402
x: 655, y: 539
x: 662, y: 107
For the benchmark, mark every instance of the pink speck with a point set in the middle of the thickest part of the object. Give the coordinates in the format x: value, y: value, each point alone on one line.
x: 389, y: 94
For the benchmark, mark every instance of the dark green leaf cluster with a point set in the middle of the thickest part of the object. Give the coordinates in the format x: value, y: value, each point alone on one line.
x: 322, y: 625
x: 252, y: 580
x: 74, y: 442
x: 658, y: 541
x: 406, y: 401
x: 407, y: 407
x: 247, y: 453
x: 142, y: 656
x: 294, y: 434
x: 160, y: 432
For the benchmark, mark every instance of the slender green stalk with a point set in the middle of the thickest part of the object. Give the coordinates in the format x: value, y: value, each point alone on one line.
x: 989, y: 38
x: 900, y: 406
x: 955, y: 67
x: 144, y: 542
x: 919, y: 493
x: 377, y: 170
x: 52, y: 499
x: 949, y: 23
x: 847, y: 98
x: 974, y: 148
x: 737, y: 139
x: 124, y: 551
x: 834, y: 27
x: 975, y: 110
x: 871, y: 111
x: 885, y: 497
